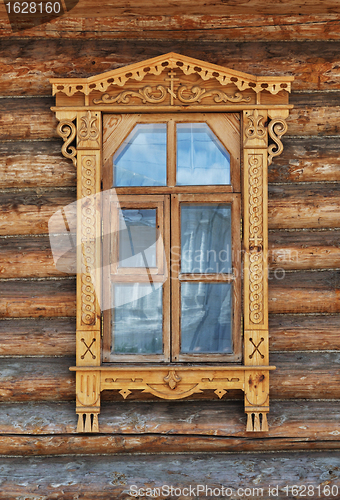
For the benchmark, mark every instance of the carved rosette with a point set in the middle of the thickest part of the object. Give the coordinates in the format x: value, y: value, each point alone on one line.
x: 88, y: 240
x: 256, y: 268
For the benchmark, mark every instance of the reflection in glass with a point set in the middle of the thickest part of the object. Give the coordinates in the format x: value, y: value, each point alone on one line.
x: 206, y: 318
x: 137, y: 238
x: 141, y: 159
x: 137, y: 319
x: 201, y: 158
x: 206, y: 238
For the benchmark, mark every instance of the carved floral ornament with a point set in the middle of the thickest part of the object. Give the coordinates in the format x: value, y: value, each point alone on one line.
x: 174, y: 83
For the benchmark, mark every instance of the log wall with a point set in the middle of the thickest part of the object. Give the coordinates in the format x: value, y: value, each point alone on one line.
x: 42, y: 456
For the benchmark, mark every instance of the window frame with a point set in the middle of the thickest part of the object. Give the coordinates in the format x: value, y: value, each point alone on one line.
x: 226, y: 128
x: 176, y: 84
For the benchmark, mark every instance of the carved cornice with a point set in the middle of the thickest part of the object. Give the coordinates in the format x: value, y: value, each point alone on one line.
x: 157, y: 65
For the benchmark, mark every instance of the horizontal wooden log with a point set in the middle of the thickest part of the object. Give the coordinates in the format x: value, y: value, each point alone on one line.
x: 307, y: 160
x: 304, y: 249
x: 38, y: 337
x: 50, y: 428
x: 314, y: 64
x: 102, y: 477
x: 308, y: 420
x: 41, y: 164
x: 29, y: 118
x: 35, y: 298
x: 304, y: 292
x: 184, y: 27
x: 89, y: 8
x: 291, y: 207
x: 28, y: 212
x: 56, y: 336
x: 295, y: 207
x: 31, y: 257
x: 289, y: 292
x: 299, y: 332
x: 310, y: 375
x: 34, y: 164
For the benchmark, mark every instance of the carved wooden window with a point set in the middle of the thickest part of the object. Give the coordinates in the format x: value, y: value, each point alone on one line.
x: 184, y: 113
x: 172, y: 236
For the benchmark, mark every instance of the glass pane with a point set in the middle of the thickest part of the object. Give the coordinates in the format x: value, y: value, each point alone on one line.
x: 206, y: 238
x: 206, y: 318
x: 141, y: 159
x: 137, y: 238
x: 137, y: 319
x: 201, y: 158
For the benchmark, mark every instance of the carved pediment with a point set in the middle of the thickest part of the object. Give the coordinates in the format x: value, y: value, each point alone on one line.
x: 174, y: 67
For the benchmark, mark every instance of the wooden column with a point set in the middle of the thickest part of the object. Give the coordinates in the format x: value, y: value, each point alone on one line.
x: 88, y: 339
x: 256, y: 350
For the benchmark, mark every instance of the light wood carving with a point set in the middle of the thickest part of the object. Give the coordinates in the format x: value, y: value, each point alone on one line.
x: 172, y: 84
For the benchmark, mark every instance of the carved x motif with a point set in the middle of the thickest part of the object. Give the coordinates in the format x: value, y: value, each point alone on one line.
x: 88, y: 349
x: 256, y: 348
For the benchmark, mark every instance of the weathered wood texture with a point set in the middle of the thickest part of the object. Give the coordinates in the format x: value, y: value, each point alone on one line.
x: 37, y: 315
x: 318, y: 249
x: 300, y: 332
x: 26, y: 68
x: 310, y: 375
x: 306, y: 206
x: 28, y: 212
x: 185, y: 27
x: 38, y: 336
x: 35, y: 298
x: 307, y: 159
x: 304, y: 292
x: 31, y: 256
x: 34, y: 164
x: 40, y: 163
x: 101, y: 478
x: 49, y: 428
x: 291, y: 207
x: 56, y: 336
x: 89, y: 8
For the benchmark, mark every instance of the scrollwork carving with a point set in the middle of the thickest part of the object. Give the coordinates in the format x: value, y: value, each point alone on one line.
x: 146, y: 94
x: 88, y: 214
x: 256, y: 239
x: 67, y: 130
x: 276, y: 129
x: 197, y: 94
